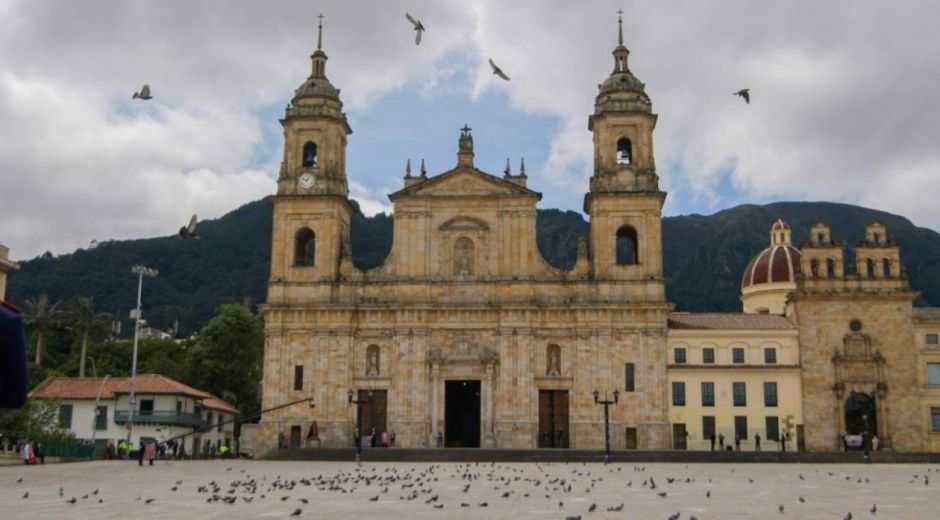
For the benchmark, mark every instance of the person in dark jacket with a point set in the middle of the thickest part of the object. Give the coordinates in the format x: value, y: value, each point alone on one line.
x: 13, y: 379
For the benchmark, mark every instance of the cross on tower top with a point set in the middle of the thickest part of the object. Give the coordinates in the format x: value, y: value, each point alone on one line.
x: 466, y: 129
x: 320, y: 32
x: 620, y: 26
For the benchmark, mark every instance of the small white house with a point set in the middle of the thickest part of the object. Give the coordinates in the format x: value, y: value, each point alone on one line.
x: 97, y: 409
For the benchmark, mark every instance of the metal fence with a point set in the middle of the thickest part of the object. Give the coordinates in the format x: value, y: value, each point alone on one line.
x: 69, y: 450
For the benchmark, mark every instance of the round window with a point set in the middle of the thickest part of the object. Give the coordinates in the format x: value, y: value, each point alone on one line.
x: 855, y: 325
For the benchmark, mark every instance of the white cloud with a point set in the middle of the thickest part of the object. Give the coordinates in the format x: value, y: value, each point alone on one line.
x: 370, y: 201
x: 841, y: 107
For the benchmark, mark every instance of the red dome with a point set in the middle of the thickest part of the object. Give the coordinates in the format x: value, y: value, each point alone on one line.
x: 779, y: 263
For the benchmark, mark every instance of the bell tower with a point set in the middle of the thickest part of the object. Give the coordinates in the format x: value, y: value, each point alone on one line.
x: 624, y: 201
x: 311, y: 209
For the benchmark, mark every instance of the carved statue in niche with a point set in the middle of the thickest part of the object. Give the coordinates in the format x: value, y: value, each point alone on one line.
x: 463, y: 257
x: 372, y: 360
x: 554, y: 360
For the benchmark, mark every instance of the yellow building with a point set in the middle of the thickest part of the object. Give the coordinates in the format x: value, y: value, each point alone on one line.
x: 734, y: 376
x: 6, y: 265
x: 927, y: 338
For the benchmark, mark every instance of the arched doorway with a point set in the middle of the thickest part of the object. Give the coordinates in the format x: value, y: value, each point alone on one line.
x: 860, y: 414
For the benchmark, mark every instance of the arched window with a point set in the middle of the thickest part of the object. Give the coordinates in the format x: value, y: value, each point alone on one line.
x: 553, y: 360
x: 305, y: 247
x: 628, y: 252
x: 830, y: 268
x: 463, y: 257
x: 870, y: 267
x: 310, y: 155
x: 886, y: 267
x: 820, y: 238
x: 624, y: 151
x: 372, y: 360
x: 814, y: 267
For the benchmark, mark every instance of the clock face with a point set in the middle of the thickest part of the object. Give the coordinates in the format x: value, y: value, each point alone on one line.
x: 305, y: 181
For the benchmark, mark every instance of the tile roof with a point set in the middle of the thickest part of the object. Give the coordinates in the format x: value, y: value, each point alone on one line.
x: 89, y: 387
x: 728, y: 321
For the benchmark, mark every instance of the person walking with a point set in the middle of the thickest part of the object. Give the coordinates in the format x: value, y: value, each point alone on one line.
x: 737, y: 442
x: 712, y: 439
x: 875, y: 441
x: 783, y: 442
x: 757, y: 442
x: 40, y: 453
x: 721, y: 441
x: 440, y: 439
x: 26, y: 452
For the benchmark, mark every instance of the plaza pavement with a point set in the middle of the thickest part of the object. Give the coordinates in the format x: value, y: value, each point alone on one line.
x: 343, y: 490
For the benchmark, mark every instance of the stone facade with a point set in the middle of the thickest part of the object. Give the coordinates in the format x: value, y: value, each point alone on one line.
x: 465, y: 295
x: 857, y: 339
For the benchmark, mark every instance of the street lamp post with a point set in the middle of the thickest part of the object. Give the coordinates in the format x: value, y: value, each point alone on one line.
x: 141, y: 272
x: 359, y: 404
x: 94, y: 369
x: 606, y: 403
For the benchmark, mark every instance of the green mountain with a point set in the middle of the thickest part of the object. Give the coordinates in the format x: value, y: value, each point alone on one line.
x: 704, y: 256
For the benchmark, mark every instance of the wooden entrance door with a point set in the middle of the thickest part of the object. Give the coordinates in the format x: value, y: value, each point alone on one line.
x: 553, y: 419
x: 295, y: 436
x: 373, y: 415
x: 679, y: 436
x: 631, y: 438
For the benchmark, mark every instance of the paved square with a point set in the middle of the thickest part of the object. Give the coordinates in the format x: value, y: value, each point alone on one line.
x: 262, y: 489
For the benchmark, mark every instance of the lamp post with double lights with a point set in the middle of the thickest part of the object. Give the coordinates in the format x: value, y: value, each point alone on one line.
x: 606, y: 402
x: 359, y: 404
x: 141, y: 272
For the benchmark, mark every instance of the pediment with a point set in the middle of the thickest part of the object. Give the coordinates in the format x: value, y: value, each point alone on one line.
x: 464, y: 182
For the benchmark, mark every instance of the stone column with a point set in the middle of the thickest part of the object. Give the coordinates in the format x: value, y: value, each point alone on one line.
x: 488, y: 382
x: 435, y: 384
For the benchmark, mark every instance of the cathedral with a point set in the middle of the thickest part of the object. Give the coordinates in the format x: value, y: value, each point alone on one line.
x: 466, y: 337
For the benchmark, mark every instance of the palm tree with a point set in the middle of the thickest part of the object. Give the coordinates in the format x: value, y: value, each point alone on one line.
x: 82, y: 318
x: 42, y: 317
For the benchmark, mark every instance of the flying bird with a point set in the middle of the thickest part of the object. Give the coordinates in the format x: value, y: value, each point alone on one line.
x: 188, y: 232
x: 498, y: 71
x: 143, y: 94
x: 419, y: 28
x: 296, y: 512
x: 744, y: 93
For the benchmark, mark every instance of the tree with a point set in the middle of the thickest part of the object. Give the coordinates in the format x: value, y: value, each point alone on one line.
x: 42, y: 317
x: 37, y: 421
x: 226, y: 357
x: 83, y: 320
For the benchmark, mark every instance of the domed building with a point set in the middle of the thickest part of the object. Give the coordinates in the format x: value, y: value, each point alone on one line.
x: 771, y: 274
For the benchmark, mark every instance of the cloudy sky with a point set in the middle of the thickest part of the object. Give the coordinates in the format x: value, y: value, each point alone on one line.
x: 843, y: 104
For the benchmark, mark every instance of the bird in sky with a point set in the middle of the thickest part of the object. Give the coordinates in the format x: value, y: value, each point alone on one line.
x: 498, y: 71
x: 745, y: 93
x: 143, y: 94
x: 188, y: 231
x: 419, y: 28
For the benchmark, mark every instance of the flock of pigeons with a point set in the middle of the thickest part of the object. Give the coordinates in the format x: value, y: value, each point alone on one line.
x: 488, y: 484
